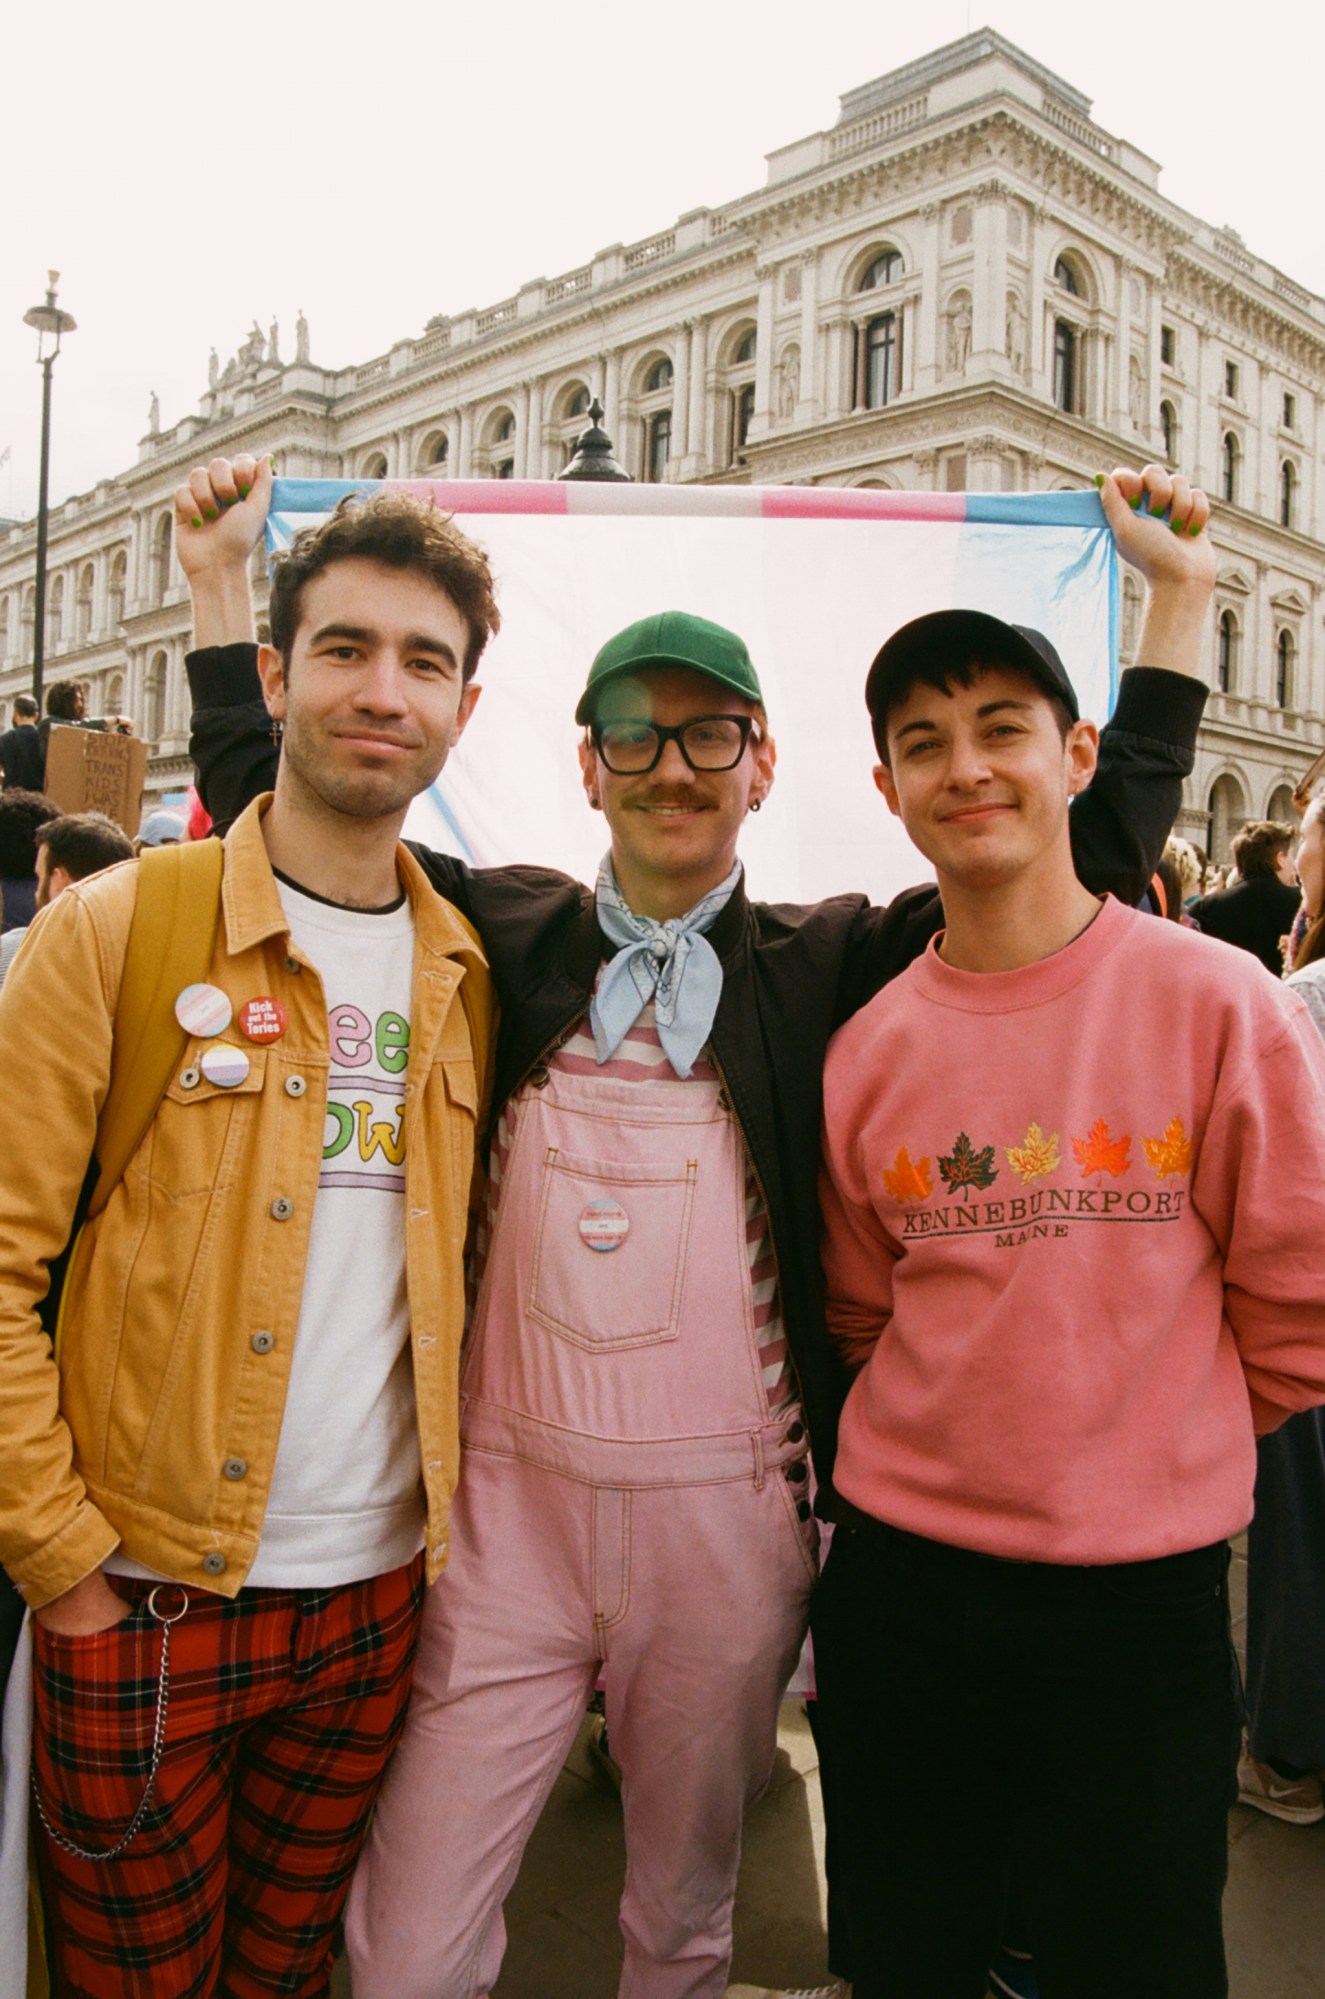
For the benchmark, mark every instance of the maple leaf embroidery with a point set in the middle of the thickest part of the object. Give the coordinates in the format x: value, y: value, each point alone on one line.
x: 1098, y: 1152
x: 964, y: 1167
x: 907, y: 1179
x: 1170, y: 1156
x: 1036, y: 1157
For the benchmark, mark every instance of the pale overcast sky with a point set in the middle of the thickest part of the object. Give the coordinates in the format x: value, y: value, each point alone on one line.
x: 191, y: 169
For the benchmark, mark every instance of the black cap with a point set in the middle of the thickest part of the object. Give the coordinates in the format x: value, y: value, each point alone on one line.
x: 954, y: 637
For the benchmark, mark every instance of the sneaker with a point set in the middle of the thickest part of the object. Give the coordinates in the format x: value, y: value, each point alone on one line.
x: 838, y: 1990
x: 1296, y: 1800
x: 1012, y: 1975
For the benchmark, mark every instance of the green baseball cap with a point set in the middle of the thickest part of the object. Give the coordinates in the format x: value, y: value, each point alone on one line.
x: 672, y: 638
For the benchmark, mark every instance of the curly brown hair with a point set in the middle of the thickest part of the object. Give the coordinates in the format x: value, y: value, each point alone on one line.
x: 400, y: 532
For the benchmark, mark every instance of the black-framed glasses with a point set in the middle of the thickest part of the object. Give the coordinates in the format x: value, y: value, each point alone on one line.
x: 707, y: 742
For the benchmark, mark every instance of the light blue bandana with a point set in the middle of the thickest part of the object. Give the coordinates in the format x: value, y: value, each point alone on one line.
x: 672, y: 963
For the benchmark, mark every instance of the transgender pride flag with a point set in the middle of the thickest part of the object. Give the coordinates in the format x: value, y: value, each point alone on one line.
x: 813, y: 578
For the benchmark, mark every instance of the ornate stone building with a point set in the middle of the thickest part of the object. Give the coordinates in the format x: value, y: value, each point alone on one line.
x: 965, y: 283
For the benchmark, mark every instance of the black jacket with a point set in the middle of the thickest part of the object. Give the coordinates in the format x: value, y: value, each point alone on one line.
x: 791, y: 973
x: 1256, y: 914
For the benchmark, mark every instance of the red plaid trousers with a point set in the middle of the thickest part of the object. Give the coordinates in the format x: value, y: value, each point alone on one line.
x: 283, y: 1708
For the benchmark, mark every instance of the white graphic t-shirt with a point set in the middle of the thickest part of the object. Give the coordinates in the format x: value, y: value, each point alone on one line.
x: 347, y: 1495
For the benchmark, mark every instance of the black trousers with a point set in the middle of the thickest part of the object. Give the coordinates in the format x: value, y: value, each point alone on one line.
x: 1286, y: 1596
x: 1078, y: 1725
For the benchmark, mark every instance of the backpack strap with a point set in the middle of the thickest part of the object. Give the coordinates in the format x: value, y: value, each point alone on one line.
x: 171, y: 942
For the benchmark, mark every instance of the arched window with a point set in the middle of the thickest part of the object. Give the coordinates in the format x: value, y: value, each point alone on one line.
x: 1226, y: 652
x: 115, y: 694
x: 1228, y: 815
x: 1284, y: 651
x: 119, y: 571
x: 84, y: 606
x: 740, y: 391
x: 1228, y: 468
x: 161, y: 559
x: 1287, y: 492
x: 4, y: 626
x: 656, y: 422
x: 433, y: 454
x: 505, y: 430
x: 1280, y: 804
x: 1065, y: 276
x: 657, y: 446
x: 743, y: 409
x: 26, y: 619
x: 374, y: 466
x: 55, y: 614
x: 1065, y: 366
x: 154, y: 699
x: 1168, y: 426
x: 570, y: 412
x: 878, y: 362
x: 885, y: 269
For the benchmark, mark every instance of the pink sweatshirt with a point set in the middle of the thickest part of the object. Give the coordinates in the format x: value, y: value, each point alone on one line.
x: 1075, y: 1241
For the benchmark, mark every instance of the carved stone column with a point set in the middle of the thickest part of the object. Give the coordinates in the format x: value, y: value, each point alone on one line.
x: 696, y: 460
x: 811, y: 400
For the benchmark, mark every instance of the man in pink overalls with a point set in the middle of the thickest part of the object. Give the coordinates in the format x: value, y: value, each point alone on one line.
x: 648, y: 1360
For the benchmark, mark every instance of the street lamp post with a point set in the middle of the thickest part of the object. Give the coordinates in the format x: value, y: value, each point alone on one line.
x: 46, y: 318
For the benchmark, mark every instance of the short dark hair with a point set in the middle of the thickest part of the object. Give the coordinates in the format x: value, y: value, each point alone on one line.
x: 1258, y: 846
x: 942, y: 675
x: 62, y: 699
x: 401, y: 532
x: 21, y: 813
x: 82, y: 843
x: 25, y: 705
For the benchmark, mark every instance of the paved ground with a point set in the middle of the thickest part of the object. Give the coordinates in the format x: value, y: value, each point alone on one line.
x: 562, y: 1912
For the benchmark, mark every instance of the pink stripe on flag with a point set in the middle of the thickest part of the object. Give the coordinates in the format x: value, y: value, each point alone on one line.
x: 837, y: 503
x: 489, y: 496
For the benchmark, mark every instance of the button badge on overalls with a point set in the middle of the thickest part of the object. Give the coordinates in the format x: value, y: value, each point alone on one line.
x: 225, y: 1066
x: 604, y: 1225
x: 203, y: 1010
x: 262, y: 1019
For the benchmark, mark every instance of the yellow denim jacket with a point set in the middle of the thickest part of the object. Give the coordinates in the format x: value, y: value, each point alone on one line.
x: 157, y: 1431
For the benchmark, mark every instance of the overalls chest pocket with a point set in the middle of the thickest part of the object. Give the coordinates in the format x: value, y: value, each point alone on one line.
x: 611, y: 1247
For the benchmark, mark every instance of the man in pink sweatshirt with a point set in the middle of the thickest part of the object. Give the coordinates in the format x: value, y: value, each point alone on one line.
x: 1075, y: 1250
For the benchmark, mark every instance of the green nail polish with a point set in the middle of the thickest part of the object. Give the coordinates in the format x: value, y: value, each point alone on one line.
x: 1157, y: 513
x: 1099, y: 478
x: 211, y: 513
x: 1175, y: 527
x: 1136, y: 504
x: 243, y: 492
x: 1192, y: 528
x: 197, y: 520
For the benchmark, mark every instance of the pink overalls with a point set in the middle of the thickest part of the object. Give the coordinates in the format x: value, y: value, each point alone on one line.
x: 624, y: 1502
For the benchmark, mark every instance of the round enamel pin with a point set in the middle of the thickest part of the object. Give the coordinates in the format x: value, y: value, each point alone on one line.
x: 262, y: 1019
x: 225, y: 1066
x: 604, y: 1225
x: 203, y: 1010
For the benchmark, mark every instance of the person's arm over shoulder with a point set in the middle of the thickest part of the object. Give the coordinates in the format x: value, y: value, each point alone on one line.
x: 67, y: 972
x: 1259, y: 1184
x: 1119, y: 825
x: 1120, y: 822
x: 858, y: 1252
x: 231, y: 741
x: 220, y: 517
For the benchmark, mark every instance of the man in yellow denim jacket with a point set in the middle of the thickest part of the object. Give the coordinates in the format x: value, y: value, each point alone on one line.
x: 222, y: 1499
